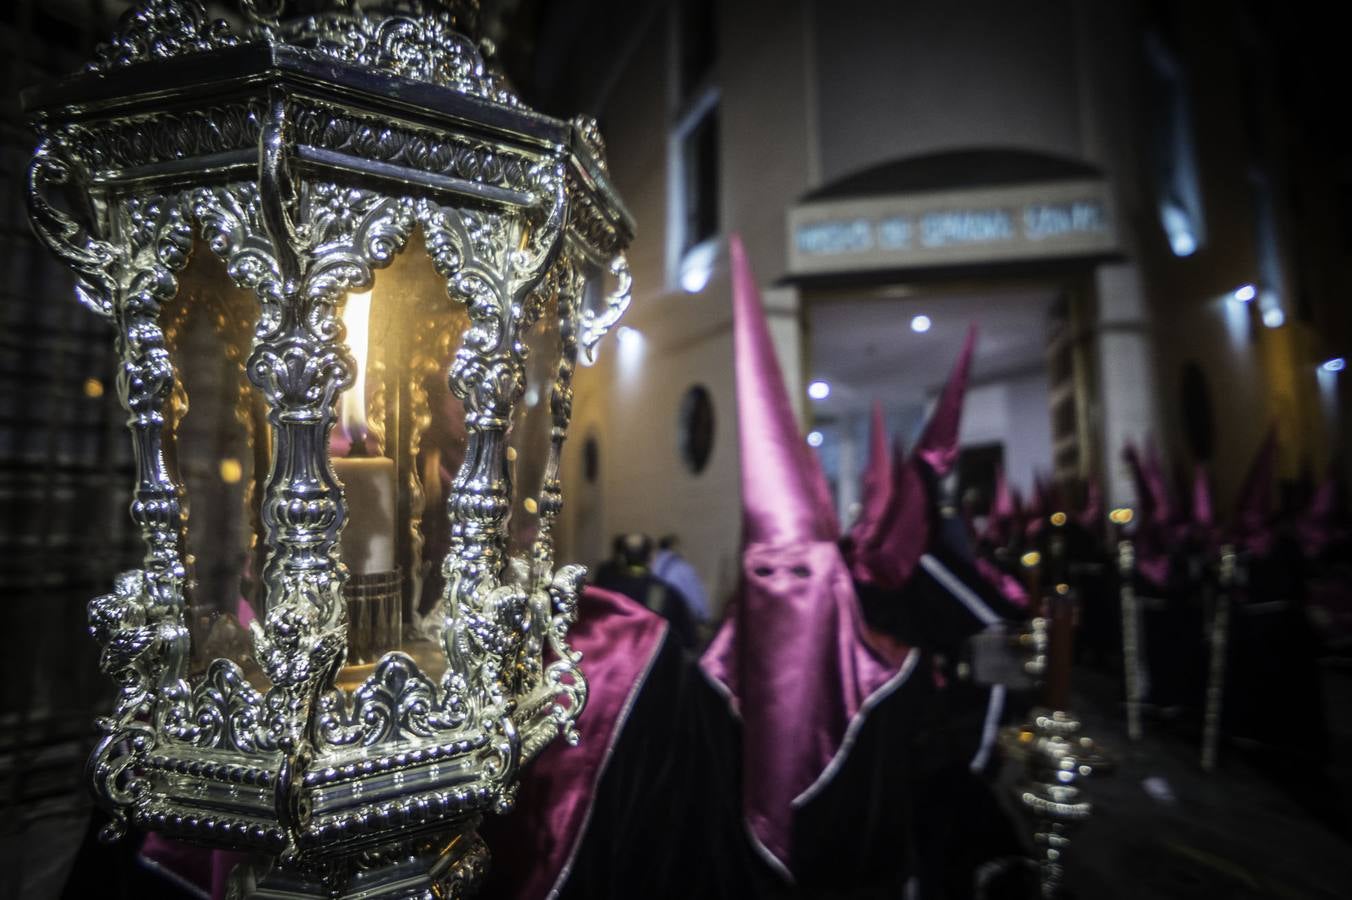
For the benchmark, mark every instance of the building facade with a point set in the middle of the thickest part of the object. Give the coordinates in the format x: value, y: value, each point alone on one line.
x: 1108, y: 188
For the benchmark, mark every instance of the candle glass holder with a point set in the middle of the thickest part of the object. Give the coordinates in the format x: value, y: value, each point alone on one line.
x: 350, y: 275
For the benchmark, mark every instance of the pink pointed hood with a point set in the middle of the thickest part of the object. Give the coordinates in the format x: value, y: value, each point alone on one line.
x: 1091, y: 515
x: 1203, y: 515
x: 793, y: 656
x: 1324, y: 502
x: 1039, y: 508
x: 1145, y: 497
x: 1157, y: 484
x: 1319, y: 525
x: 894, y: 549
x: 784, y: 493
x: 1253, y: 513
x: 877, y: 482
x: 1000, y: 521
x: 938, y: 444
x: 1003, y: 504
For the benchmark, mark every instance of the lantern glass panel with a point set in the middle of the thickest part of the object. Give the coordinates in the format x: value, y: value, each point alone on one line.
x: 399, y: 440
x: 217, y: 447
x: 532, y: 421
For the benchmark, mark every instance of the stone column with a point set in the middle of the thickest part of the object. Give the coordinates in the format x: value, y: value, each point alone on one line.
x: 1128, y: 408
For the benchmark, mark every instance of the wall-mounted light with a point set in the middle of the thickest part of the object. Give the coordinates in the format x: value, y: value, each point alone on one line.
x: 819, y: 390
x: 629, y: 352
x: 1274, y: 317
x: 1178, y: 226
x: 1244, y: 293
x: 697, y: 267
x: 1337, y: 364
x: 815, y: 438
x: 920, y: 324
x: 1183, y: 244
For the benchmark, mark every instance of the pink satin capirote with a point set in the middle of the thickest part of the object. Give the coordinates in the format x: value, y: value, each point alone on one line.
x: 876, y: 488
x: 793, y: 655
x: 784, y: 493
x: 1203, y: 516
x: 886, y: 556
x: 938, y: 443
x: 1253, y: 526
x: 1091, y: 515
x: 1319, y: 525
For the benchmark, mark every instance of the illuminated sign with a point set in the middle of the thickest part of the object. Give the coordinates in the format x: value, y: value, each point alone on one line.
x: 1059, y: 219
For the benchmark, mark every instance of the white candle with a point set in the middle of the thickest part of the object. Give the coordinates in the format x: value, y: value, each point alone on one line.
x: 368, y: 535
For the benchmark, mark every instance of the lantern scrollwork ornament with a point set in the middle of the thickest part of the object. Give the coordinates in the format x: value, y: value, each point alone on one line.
x: 350, y: 275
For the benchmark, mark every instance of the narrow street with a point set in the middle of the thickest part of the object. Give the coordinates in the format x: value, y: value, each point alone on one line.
x: 1162, y: 828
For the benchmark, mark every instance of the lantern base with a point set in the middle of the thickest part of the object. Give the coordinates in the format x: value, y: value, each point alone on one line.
x: 431, y: 869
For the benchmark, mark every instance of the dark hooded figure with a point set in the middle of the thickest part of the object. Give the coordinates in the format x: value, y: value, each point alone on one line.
x: 1273, y: 652
x: 912, y: 561
x: 630, y: 573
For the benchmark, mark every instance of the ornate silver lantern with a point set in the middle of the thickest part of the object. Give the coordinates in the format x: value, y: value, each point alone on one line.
x: 244, y: 202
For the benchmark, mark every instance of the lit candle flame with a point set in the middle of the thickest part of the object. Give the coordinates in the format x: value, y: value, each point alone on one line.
x: 352, y: 405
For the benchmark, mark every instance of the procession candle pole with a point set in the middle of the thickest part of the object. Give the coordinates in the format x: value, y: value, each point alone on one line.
x: 1220, y: 639
x: 1061, y: 622
x: 1131, y: 639
x: 1059, y: 758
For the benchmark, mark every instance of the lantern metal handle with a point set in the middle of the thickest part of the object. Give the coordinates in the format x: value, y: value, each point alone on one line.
x: 595, y: 326
x: 93, y: 260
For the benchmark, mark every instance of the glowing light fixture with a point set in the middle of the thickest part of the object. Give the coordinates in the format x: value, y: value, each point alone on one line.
x: 819, y: 390
x: 1178, y: 226
x: 1120, y: 516
x: 1245, y: 292
x: 1274, y: 317
x: 815, y: 438
x: 1337, y: 364
x: 920, y: 324
x: 697, y: 267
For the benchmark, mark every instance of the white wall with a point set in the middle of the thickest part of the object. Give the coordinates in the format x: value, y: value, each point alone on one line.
x: 903, y: 79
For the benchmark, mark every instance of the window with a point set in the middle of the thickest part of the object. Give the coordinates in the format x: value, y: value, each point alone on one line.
x: 694, y: 144
x: 699, y: 174
x: 1173, y: 154
x: 695, y: 428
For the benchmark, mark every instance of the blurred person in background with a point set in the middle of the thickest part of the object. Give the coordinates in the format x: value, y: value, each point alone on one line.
x: 630, y: 572
x: 677, y: 571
